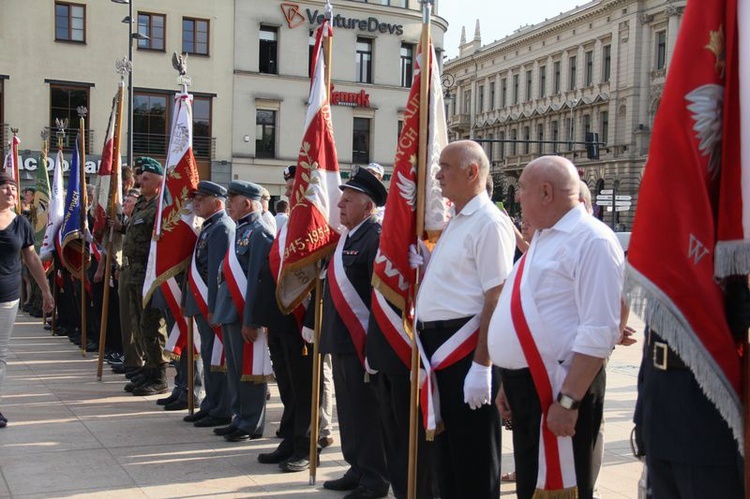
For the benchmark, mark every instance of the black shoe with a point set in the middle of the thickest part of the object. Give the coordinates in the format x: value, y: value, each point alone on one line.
x: 210, y: 422
x: 226, y: 430
x: 296, y: 464
x: 92, y: 346
x: 363, y: 492
x: 277, y: 456
x: 137, y: 381
x: 237, y: 436
x: 346, y: 482
x: 3, y: 421
x: 177, y: 405
x: 192, y: 418
x: 151, y: 387
x: 167, y: 400
x: 135, y: 372
x: 48, y: 327
x: 324, y: 442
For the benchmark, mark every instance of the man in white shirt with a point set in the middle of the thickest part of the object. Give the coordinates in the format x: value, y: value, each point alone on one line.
x: 462, y: 282
x: 282, y: 213
x: 557, y: 319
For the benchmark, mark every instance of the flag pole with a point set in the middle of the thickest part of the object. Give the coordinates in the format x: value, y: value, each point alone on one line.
x: 60, y: 134
x: 114, y: 200
x: 43, y: 164
x: 318, y: 304
x: 424, y: 99
x: 83, y: 204
x: 16, y: 173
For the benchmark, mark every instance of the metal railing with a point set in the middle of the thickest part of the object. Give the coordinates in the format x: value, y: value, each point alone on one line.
x: 149, y: 144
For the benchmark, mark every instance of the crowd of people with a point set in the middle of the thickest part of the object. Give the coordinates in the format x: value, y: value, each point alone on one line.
x: 516, y: 327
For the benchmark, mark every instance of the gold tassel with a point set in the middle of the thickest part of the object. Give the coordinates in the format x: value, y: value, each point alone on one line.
x: 569, y: 493
x: 304, y: 350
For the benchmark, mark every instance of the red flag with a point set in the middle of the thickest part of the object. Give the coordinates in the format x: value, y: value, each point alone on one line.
x: 392, y: 278
x: 104, y: 187
x: 692, y: 149
x: 10, y: 164
x: 314, y: 219
x: 175, y: 231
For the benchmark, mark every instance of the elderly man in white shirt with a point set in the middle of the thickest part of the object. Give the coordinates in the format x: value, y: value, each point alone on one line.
x: 462, y: 281
x: 556, y: 321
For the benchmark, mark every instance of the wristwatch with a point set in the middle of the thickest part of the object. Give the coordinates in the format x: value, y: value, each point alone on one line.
x: 567, y: 402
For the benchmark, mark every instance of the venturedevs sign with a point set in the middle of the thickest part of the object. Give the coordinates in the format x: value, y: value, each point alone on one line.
x: 294, y: 18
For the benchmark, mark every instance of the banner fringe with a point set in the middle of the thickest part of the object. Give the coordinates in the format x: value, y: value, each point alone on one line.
x: 658, y: 311
x: 569, y: 493
x: 256, y: 378
x: 732, y: 258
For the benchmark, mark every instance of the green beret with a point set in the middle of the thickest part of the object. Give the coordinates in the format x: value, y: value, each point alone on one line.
x: 149, y: 165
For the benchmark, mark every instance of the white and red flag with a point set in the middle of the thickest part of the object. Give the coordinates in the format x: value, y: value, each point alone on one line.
x: 10, y: 164
x: 695, y: 157
x: 56, y: 209
x: 314, y: 219
x: 108, y: 180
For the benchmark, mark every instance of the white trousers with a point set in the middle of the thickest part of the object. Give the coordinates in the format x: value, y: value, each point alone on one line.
x: 8, y: 310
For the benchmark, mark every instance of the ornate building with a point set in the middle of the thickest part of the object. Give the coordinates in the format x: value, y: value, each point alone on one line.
x: 547, y: 88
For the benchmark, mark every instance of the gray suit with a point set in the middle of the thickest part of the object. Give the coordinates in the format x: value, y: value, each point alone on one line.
x: 248, y: 399
x: 209, y: 252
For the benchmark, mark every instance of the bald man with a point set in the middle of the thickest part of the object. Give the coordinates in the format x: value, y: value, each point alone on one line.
x: 462, y: 282
x: 556, y: 321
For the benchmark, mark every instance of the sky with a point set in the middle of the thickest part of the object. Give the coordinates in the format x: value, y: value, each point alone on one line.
x: 498, y: 18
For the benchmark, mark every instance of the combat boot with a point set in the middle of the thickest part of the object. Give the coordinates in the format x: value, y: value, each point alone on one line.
x: 141, y: 378
x: 156, y: 384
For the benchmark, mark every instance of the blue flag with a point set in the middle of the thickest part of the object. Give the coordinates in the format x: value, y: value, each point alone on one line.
x: 73, y: 225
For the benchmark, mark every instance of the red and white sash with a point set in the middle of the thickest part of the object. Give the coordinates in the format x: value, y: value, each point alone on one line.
x: 256, y: 359
x: 556, y: 461
x: 392, y: 325
x: 177, y: 337
x: 347, y: 301
x: 458, y: 346
x: 275, y: 257
x: 200, y: 293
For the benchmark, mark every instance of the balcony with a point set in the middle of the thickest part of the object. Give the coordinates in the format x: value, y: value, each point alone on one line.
x: 150, y: 144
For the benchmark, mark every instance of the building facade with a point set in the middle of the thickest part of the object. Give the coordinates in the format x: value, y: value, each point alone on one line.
x: 592, y: 74
x: 59, y: 55
x: 374, y: 48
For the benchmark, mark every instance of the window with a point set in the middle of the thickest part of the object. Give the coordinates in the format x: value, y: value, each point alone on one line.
x: 64, y: 102
x: 492, y: 94
x: 515, y: 88
x: 556, y: 82
x: 527, y: 139
x: 268, y: 50
x: 399, y: 128
x: 572, y: 73
x: 586, y: 124
x: 407, y: 64
x: 661, y: 49
x: 514, y: 142
x: 467, y: 102
x: 604, y: 126
x: 542, y: 81
x: 480, y: 99
x: 70, y: 22
x: 265, y: 133
x: 202, y: 127
x: 310, y: 55
x: 540, y: 137
x: 528, y: 85
x: 501, y: 145
x: 150, y: 121
x: 364, y: 60
x: 571, y: 132
x: 555, y: 134
x: 361, y: 141
x: 151, y: 25
x: 195, y: 36
x: 606, y: 62
x: 503, y: 92
x: 589, y: 59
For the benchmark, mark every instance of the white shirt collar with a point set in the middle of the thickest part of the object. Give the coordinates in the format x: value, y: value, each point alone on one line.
x: 476, y: 202
x: 568, y: 222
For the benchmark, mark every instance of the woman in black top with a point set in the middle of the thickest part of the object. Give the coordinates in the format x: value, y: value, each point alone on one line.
x: 16, y: 239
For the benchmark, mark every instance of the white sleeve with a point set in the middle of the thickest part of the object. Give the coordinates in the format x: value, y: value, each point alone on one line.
x: 494, y: 247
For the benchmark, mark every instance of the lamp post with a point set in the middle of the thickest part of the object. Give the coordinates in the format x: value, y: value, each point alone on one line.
x: 571, y: 104
x: 131, y: 36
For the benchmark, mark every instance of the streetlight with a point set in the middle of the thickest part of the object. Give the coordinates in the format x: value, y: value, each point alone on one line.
x: 131, y: 36
x: 571, y: 104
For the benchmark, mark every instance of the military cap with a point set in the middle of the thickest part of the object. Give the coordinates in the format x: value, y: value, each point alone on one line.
x: 244, y: 188
x: 364, y: 181
x: 376, y: 169
x: 207, y: 188
x: 7, y: 179
x: 289, y: 172
x: 149, y: 165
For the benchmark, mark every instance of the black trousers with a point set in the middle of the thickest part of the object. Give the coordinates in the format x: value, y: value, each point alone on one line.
x: 393, y: 392
x: 527, y: 414
x: 469, y: 448
x: 281, y: 373
x: 359, y: 423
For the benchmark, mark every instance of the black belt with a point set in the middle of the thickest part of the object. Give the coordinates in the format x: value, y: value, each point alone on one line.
x: 449, y: 324
x: 664, y: 358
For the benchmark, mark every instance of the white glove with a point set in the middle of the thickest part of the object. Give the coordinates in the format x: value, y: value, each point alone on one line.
x: 478, y: 385
x: 418, y: 257
x: 308, y: 335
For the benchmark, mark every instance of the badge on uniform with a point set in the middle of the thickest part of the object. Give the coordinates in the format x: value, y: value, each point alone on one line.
x: 350, y: 252
x: 139, y: 221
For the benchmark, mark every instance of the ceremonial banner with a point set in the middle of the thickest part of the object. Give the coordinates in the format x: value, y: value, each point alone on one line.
x: 11, y: 159
x: 199, y: 290
x: 694, y: 147
x: 392, y: 277
x: 55, y: 211
x: 41, y: 200
x: 175, y: 229
x: 108, y: 179
x: 73, y: 227
x: 314, y: 219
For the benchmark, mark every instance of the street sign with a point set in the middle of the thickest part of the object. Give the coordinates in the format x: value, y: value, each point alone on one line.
x: 624, y: 207
x: 604, y: 202
x: 623, y: 198
x: 605, y: 192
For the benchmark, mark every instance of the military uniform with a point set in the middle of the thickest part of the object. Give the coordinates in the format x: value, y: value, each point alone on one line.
x: 247, y: 399
x: 210, y: 250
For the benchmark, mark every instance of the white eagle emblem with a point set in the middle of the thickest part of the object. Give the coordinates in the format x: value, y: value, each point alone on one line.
x: 407, y: 189
x: 705, y: 104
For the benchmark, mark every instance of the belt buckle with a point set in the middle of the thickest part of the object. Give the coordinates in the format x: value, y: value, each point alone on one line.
x: 661, y: 351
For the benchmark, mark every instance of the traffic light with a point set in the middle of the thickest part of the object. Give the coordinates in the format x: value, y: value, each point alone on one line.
x: 592, y: 145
